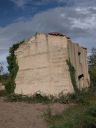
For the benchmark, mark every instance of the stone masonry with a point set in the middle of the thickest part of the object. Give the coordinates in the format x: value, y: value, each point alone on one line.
x: 43, y: 68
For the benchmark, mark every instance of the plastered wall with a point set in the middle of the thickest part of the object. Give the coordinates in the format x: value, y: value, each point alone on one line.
x: 43, y: 67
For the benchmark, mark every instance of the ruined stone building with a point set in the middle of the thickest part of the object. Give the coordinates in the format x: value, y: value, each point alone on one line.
x: 43, y: 68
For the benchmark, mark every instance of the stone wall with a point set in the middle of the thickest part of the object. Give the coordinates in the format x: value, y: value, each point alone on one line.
x: 43, y: 67
x: 78, y: 57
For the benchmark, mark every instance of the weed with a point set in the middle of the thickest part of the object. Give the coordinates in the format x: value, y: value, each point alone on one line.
x: 78, y: 116
x: 36, y: 98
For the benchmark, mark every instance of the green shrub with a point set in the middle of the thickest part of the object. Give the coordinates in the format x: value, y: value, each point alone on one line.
x: 92, y: 72
x: 12, y: 68
x: 92, y: 66
x: 90, y: 117
x: 36, y: 98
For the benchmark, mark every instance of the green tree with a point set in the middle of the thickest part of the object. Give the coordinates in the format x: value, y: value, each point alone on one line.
x: 12, y: 68
x: 1, y: 68
x: 92, y: 67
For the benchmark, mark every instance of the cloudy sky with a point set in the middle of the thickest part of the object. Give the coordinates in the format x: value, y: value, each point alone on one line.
x: 19, y: 19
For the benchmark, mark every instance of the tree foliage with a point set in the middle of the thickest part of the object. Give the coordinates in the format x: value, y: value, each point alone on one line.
x: 12, y: 68
x: 1, y: 68
x: 92, y: 67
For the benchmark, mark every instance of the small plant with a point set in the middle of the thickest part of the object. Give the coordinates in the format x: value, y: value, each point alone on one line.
x: 36, y: 98
x: 63, y: 98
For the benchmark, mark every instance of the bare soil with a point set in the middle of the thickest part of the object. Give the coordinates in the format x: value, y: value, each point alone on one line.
x: 23, y: 115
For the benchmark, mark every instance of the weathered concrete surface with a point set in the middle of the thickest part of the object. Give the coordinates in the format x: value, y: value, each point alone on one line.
x: 78, y: 57
x: 43, y: 67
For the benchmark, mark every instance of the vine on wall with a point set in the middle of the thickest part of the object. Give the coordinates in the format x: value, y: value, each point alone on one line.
x: 12, y: 68
x: 72, y: 74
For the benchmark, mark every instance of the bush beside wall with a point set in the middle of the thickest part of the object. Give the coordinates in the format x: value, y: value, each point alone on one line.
x: 12, y: 68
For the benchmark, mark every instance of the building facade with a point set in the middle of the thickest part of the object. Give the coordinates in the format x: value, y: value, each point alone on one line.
x: 43, y: 68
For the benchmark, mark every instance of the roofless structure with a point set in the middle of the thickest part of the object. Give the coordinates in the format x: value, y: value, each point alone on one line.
x: 43, y: 66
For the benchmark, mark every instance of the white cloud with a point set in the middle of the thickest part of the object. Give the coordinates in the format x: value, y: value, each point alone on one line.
x: 80, y: 27
x: 88, y: 23
x: 83, y: 10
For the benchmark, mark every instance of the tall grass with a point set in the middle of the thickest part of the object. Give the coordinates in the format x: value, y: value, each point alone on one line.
x: 79, y: 116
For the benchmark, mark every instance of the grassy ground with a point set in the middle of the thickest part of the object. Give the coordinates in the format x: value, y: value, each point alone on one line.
x: 24, y: 115
x: 81, y: 115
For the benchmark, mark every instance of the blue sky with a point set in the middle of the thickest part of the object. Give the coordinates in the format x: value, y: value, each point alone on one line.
x: 11, y: 10
x: 20, y: 19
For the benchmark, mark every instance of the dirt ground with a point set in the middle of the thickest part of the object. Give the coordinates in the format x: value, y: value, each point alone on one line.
x: 23, y: 115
